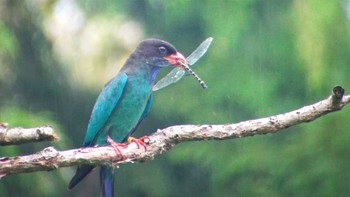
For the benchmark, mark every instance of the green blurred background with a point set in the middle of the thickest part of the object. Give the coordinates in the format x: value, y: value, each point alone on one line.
x: 267, y: 57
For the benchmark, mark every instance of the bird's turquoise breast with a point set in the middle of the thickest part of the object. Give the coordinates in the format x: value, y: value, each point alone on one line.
x: 128, y: 111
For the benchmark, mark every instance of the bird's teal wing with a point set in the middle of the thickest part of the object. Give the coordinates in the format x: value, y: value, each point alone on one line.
x: 104, y: 106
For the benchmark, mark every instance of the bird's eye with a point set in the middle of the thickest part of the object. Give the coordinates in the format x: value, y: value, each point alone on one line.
x: 162, y: 50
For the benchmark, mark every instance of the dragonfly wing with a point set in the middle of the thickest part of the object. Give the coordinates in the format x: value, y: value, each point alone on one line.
x: 172, y: 77
x: 199, y: 52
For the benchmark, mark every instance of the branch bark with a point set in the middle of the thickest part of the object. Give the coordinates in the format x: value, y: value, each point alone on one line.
x: 165, y: 139
x: 20, y: 135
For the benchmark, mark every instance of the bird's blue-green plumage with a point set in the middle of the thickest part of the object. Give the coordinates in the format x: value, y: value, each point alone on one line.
x: 104, y: 106
x: 123, y: 103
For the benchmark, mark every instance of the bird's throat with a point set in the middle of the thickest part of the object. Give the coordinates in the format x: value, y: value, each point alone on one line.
x: 154, y: 72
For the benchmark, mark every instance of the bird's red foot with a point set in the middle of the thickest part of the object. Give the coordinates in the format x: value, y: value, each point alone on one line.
x: 139, y: 141
x: 115, y: 146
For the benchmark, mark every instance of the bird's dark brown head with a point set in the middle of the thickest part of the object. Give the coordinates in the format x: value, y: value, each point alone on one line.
x: 159, y: 53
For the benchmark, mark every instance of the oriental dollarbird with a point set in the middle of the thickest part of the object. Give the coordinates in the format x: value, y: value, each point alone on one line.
x: 124, y: 102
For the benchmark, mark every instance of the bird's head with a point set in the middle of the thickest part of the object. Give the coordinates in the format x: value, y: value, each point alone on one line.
x: 160, y: 53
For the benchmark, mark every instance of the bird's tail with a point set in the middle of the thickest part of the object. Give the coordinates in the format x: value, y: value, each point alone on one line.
x: 107, y: 181
x: 81, y: 172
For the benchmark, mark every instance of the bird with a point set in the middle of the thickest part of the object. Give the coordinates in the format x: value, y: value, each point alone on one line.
x: 124, y: 102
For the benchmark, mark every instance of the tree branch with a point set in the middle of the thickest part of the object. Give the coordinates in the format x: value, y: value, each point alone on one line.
x: 21, y: 135
x: 165, y: 139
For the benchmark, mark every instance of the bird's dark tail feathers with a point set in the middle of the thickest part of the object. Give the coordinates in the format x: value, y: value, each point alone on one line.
x: 81, y: 172
x: 107, y: 181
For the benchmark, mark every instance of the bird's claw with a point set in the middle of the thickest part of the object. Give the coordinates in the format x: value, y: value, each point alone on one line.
x: 143, y: 141
x: 115, y: 146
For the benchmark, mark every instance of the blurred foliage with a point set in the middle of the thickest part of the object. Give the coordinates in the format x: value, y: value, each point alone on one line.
x: 267, y: 57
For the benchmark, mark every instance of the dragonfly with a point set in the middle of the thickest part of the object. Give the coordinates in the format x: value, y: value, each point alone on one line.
x: 177, y: 73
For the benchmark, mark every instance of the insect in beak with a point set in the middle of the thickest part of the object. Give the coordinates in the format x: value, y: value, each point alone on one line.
x: 191, y: 72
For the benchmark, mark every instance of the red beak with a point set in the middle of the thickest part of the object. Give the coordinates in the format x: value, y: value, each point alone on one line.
x: 174, y: 58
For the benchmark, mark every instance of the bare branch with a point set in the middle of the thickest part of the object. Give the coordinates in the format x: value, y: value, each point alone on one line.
x: 22, y: 135
x: 164, y: 139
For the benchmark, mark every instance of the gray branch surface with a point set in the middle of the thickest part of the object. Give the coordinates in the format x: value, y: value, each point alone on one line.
x: 165, y: 139
x: 15, y: 136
